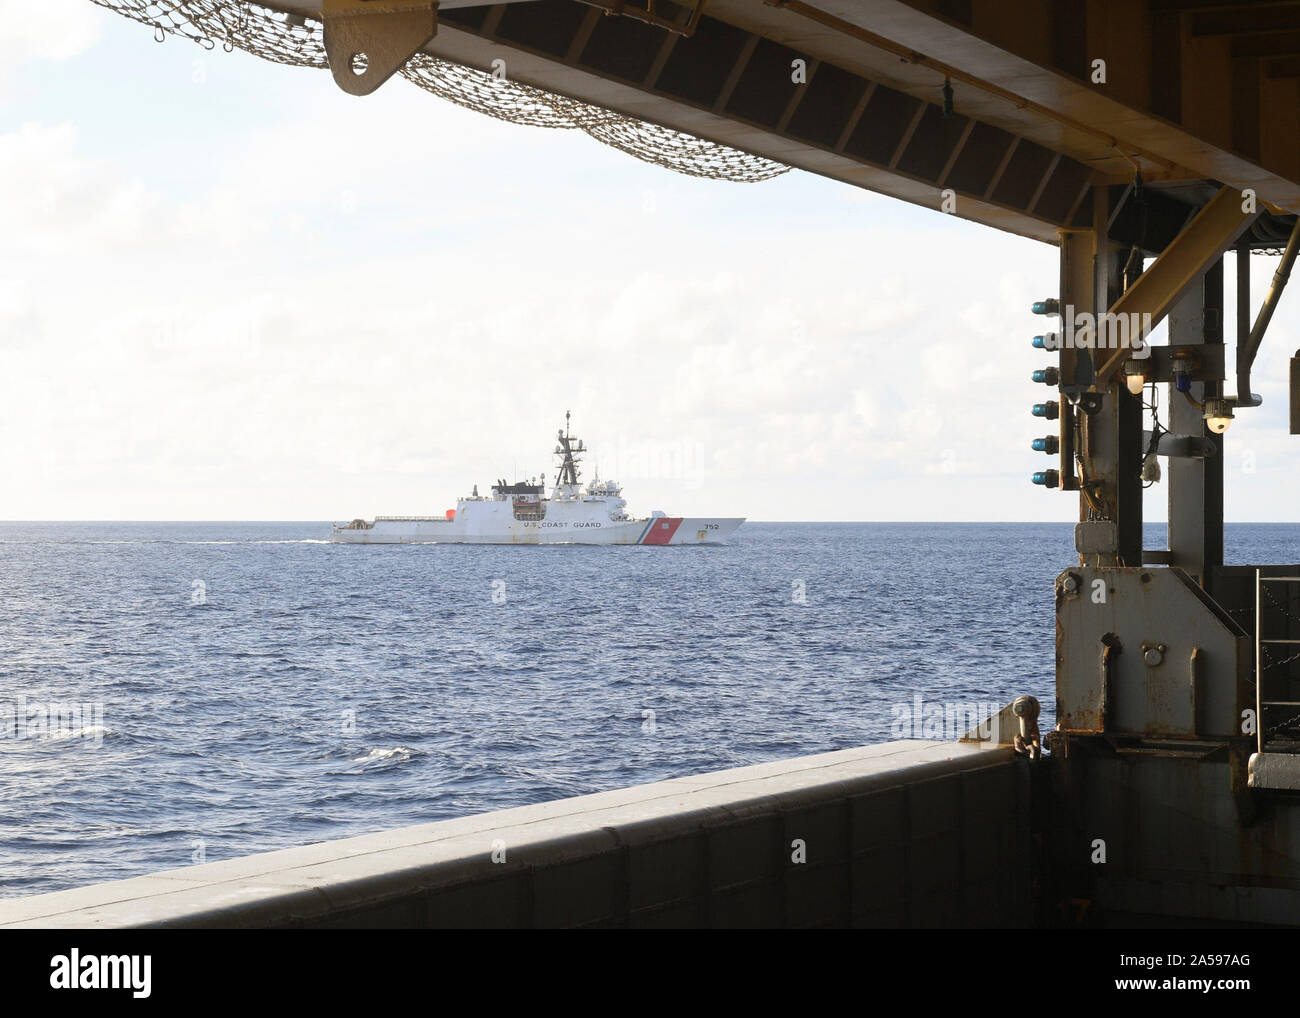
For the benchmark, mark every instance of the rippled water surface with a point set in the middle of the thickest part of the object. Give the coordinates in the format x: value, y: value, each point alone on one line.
x: 262, y: 688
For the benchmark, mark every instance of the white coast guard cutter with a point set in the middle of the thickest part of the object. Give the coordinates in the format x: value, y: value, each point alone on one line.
x: 522, y: 514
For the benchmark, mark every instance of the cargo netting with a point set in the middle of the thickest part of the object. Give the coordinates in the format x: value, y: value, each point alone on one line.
x: 299, y: 41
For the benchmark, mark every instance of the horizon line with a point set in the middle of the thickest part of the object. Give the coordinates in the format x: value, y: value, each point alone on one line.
x: 747, y: 521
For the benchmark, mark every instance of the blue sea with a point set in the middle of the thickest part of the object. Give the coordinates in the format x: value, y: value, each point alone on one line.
x: 242, y: 687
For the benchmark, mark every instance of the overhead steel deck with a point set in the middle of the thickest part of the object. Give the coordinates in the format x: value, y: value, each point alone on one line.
x: 1046, y: 98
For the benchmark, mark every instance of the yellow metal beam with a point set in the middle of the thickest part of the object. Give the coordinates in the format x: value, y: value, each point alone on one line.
x: 1214, y: 229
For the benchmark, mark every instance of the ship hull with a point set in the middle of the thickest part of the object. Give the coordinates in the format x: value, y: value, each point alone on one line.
x: 520, y: 513
x: 660, y: 531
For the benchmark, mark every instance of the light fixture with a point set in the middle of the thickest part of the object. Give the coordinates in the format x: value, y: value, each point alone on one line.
x: 1218, y: 414
x: 1135, y: 375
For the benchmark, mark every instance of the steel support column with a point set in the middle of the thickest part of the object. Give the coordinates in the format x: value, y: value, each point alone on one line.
x: 1078, y: 249
x: 1110, y: 418
x: 1196, y: 484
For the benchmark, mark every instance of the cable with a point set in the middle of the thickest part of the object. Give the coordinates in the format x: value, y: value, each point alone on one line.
x: 1085, y: 487
x: 1157, y: 431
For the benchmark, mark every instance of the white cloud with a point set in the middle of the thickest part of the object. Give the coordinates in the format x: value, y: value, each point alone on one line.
x: 49, y: 30
x: 318, y: 307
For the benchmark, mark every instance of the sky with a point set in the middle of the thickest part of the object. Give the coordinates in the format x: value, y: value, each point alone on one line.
x: 228, y: 291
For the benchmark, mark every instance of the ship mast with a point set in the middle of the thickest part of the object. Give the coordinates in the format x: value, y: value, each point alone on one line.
x: 568, y: 446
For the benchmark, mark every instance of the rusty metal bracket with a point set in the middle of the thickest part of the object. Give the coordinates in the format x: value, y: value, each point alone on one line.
x: 677, y: 16
x: 368, y: 41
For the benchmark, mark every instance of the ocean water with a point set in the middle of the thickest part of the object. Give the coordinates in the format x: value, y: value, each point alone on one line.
x: 249, y: 686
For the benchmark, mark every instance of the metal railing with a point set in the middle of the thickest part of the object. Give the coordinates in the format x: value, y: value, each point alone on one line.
x: 1264, y: 733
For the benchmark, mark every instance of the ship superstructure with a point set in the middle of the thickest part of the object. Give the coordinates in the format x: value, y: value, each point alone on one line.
x: 522, y: 513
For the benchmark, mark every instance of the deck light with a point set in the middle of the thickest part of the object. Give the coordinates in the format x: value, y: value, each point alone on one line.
x: 1218, y: 414
x: 1135, y: 375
